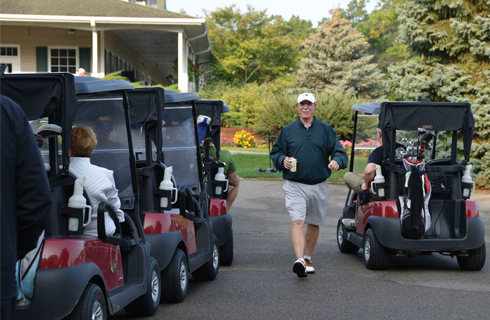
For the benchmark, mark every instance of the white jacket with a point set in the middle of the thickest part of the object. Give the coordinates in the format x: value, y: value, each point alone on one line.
x: 100, y: 185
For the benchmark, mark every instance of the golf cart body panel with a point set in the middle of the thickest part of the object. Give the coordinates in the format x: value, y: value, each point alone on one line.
x: 217, y: 207
x: 456, y: 227
x: 165, y: 223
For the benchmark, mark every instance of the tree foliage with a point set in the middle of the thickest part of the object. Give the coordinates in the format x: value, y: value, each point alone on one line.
x: 250, y: 46
x: 451, y: 38
x: 380, y: 28
x: 337, y: 59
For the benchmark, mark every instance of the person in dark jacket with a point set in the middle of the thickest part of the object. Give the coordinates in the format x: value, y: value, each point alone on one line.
x: 25, y: 197
x: 313, y: 146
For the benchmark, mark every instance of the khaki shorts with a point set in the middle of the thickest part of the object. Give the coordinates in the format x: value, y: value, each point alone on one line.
x: 305, y: 202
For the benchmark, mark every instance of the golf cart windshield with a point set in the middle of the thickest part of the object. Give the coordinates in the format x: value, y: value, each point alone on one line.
x: 180, y: 145
x: 104, y: 113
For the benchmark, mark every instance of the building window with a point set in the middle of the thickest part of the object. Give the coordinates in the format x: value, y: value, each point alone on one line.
x: 10, y: 57
x: 63, y: 59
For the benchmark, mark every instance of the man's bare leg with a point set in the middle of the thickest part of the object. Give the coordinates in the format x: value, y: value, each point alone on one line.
x: 312, y: 232
x: 298, y: 238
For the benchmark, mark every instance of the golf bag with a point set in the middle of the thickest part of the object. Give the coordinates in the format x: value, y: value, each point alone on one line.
x: 415, y: 218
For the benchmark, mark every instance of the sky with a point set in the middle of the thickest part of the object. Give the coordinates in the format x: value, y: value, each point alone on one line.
x: 313, y: 10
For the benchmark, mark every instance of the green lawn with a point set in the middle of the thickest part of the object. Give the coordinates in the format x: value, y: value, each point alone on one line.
x: 249, y: 163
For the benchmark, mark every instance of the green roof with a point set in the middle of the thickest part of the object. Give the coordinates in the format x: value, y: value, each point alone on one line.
x: 92, y: 8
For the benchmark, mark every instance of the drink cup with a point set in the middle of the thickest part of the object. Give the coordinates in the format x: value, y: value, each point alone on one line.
x: 294, y: 164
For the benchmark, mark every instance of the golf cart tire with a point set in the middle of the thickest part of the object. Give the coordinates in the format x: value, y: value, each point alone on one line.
x: 226, y: 252
x: 475, y: 259
x: 173, y: 277
x: 92, y: 303
x: 147, y: 304
x: 344, y: 245
x: 376, y: 257
x: 209, y: 270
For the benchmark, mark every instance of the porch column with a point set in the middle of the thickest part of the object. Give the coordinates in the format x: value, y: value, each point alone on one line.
x: 102, y: 54
x: 183, y: 78
x: 94, y: 49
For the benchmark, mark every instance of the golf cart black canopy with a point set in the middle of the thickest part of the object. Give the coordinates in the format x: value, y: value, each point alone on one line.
x: 213, y: 109
x: 94, y: 85
x: 177, y: 97
x: 434, y: 116
x: 45, y: 95
x: 147, y: 105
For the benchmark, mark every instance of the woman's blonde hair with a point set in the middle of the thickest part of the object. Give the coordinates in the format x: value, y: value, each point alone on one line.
x: 82, y: 142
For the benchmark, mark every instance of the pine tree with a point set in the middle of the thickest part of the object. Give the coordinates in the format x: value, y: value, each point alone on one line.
x: 337, y: 60
x: 451, y: 37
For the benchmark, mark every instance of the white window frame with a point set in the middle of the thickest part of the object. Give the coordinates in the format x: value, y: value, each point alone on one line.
x: 13, y: 60
x: 77, y: 57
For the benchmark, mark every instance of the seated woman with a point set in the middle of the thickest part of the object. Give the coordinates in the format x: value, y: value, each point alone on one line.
x: 99, y: 182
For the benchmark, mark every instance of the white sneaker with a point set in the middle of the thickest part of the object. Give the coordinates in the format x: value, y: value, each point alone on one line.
x: 299, y: 268
x: 349, y: 223
x: 309, y: 267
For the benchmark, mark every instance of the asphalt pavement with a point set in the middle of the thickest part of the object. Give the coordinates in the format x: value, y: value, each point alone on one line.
x: 260, y: 283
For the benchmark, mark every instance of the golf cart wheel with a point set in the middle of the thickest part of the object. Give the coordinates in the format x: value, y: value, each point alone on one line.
x: 226, y: 252
x: 91, y: 305
x: 475, y: 259
x: 147, y: 304
x: 209, y: 270
x: 376, y: 257
x: 344, y: 245
x: 175, y: 278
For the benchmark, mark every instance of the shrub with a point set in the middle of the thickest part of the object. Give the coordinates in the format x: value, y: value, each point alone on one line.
x: 243, y: 139
x: 244, y: 102
x: 333, y: 108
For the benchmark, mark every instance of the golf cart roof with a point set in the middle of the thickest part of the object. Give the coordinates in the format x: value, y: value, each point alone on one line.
x: 434, y: 116
x: 45, y: 95
x: 176, y: 97
x: 372, y: 108
x: 93, y: 85
x: 41, y: 94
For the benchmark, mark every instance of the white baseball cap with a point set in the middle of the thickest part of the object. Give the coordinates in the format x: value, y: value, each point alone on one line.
x: 306, y: 96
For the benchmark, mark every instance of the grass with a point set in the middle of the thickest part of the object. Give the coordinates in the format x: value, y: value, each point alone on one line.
x: 248, y: 164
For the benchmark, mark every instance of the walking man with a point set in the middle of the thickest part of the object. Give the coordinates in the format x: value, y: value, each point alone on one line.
x: 314, y: 149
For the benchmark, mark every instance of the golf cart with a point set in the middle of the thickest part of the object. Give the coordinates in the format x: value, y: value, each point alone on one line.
x: 217, y: 190
x: 77, y: 276
x: 173, y: 207
x: 421, y: 194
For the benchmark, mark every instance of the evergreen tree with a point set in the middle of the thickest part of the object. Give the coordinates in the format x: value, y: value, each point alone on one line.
x: 337, y: 60
x: 380, y: 28
x: 451, y: 37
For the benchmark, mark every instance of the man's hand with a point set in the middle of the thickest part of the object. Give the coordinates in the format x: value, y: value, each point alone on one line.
x: 287, y: 162
x: 333, y: 165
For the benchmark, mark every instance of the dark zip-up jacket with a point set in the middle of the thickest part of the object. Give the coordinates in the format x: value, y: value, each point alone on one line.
x: 25, y: 199
x: 314, y: 148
